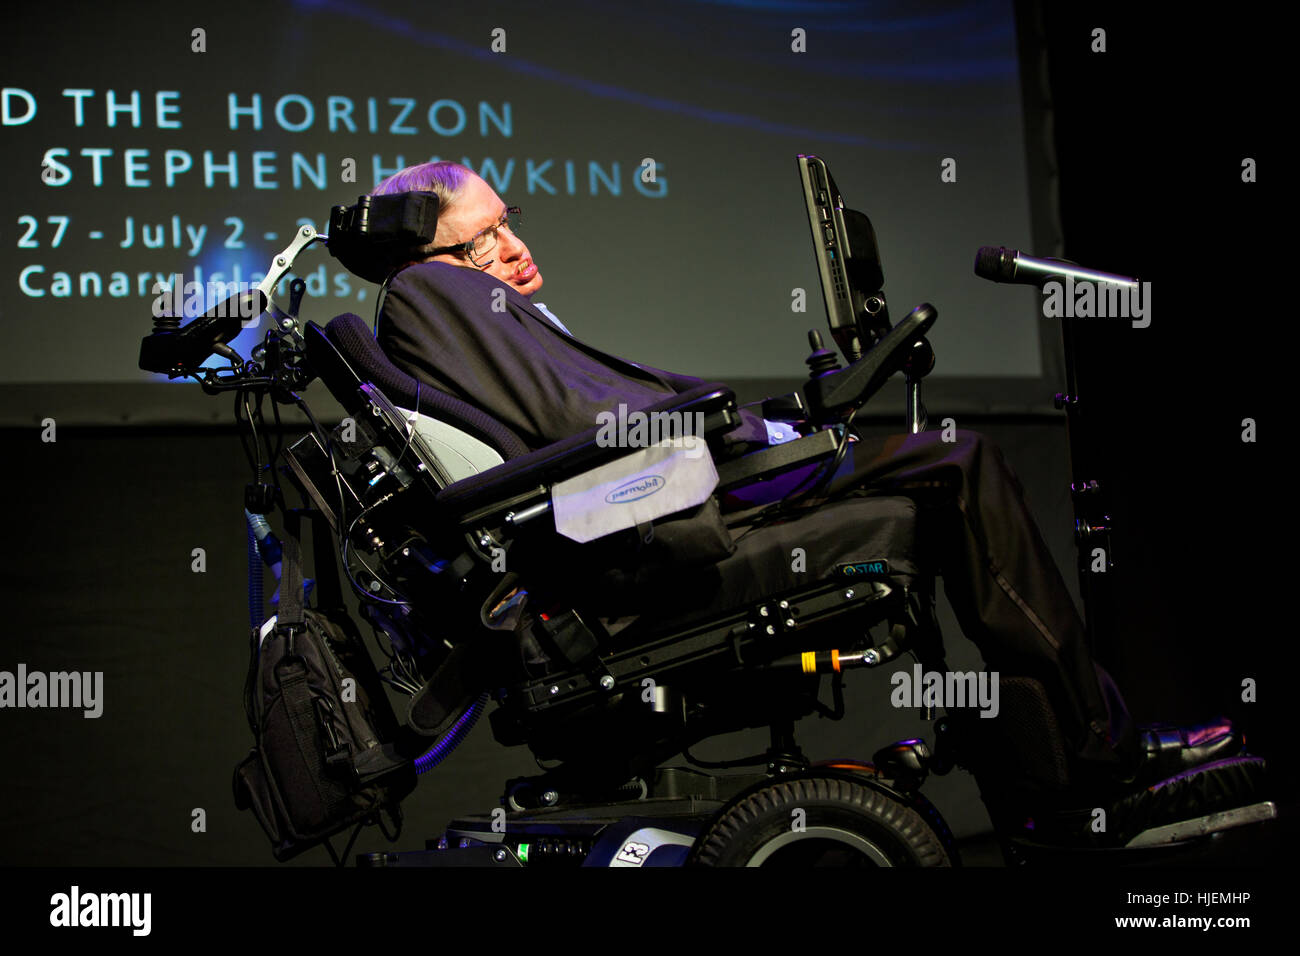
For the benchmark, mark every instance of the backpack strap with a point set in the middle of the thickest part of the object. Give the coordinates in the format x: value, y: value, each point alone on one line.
x: 290, y: 613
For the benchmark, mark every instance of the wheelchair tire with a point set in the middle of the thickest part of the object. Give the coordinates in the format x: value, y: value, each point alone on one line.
x: 844, y: 823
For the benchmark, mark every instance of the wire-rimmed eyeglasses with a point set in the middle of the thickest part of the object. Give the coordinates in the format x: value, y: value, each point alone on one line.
x: 483, y: 242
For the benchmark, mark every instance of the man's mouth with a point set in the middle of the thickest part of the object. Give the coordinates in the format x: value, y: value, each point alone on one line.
x: 526, y: 271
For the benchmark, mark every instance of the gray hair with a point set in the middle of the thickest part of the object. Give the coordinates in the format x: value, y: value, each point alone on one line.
x: 444, y: 179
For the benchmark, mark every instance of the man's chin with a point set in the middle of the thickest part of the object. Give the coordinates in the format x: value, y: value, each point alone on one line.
x: 531, y: 286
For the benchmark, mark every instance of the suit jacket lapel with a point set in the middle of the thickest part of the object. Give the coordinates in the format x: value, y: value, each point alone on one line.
x: 669, y: 380
x: 541, y: 317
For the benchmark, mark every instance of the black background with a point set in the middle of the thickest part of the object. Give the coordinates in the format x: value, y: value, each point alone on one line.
x: 1147, y: 178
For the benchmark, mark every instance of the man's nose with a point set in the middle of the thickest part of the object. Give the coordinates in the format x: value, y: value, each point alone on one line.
x: 511, y: 246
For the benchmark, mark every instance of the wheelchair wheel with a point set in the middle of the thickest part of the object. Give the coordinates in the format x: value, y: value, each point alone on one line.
x: 819, y: 820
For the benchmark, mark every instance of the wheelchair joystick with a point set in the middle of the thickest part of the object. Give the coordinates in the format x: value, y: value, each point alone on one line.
x: 166, y: 323
x: 822, y: 360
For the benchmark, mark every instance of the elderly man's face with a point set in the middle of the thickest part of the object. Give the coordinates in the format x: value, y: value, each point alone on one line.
x: 478, y: 207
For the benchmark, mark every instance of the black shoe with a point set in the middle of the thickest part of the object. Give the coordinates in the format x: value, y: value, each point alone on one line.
x: 1169, y: 750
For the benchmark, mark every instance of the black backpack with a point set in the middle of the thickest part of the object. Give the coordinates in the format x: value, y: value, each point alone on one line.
x: 324, y: 758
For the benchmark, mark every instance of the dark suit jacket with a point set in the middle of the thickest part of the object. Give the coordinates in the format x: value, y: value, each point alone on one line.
x: 439, y: 325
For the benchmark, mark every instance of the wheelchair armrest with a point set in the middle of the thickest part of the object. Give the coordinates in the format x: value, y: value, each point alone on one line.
x: 777, y: 458
x: 529, y: 476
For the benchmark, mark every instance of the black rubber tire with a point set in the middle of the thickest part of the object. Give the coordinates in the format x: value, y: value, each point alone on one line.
x: 894, y: 833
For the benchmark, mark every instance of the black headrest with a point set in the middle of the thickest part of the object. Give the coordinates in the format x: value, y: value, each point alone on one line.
x: 352, y: 336
x: 379, y: 233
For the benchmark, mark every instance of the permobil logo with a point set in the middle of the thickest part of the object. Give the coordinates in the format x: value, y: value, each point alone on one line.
x: 636, y: 489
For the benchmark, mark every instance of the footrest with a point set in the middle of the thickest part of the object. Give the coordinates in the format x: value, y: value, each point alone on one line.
x: 1210, y: 789
x: 1205, y: 799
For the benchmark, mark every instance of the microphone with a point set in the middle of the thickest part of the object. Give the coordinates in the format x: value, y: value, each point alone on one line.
x: 1011, y: 265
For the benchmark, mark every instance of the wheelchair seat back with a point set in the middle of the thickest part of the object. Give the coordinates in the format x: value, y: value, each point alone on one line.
x: 470, y: 440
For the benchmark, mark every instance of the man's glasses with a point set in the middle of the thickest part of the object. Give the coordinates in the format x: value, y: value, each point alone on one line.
x: 481, y: 244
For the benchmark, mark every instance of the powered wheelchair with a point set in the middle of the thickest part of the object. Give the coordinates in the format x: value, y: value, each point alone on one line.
x: 610, y: 635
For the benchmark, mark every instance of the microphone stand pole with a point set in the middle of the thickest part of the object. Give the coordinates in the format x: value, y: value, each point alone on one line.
x: 1092, y: 523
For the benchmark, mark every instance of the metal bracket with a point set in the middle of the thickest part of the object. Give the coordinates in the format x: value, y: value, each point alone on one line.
x: 282, y: 264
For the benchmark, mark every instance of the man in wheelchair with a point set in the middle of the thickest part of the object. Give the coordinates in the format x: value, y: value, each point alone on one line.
x: 624, y: 603
x: 459, y: 316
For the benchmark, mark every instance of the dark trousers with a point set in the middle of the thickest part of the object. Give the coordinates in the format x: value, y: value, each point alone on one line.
x: 975, y: 527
